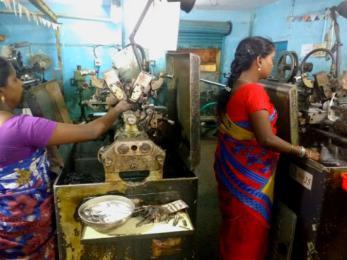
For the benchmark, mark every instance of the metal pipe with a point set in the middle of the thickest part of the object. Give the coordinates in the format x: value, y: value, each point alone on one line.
x: 331, y: 135
x: 59, y: 54
x: 136, y: 28
x: 103, y: 20
x: 4, y: 11
x: 39, y: 4
x: 64, y: 16
x: 338, y: 44
x: 213, y: 83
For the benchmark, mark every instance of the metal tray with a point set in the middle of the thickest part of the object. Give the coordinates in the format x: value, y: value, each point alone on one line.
x: 106, y: 212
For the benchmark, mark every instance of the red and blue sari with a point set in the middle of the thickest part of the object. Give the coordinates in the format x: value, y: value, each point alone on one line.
x: 245, y: 175
x: 26, y: 206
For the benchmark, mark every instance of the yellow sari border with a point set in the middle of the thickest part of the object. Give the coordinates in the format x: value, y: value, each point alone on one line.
x: 230, y: 128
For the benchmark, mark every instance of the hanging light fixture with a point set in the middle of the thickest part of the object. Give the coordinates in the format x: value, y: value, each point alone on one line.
x: 341, y: 9
x: 186, y: 5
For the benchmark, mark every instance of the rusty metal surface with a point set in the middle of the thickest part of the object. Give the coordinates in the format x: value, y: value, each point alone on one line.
x: 132, y: 155
x: 173, y: 248
x: 184, y: 102
x: 69, y: 197
x: 178, y: 181
x: 284, y: 97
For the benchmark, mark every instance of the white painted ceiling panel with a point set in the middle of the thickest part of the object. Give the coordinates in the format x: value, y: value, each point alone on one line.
x: 230, y: 4
x: 199, y: 4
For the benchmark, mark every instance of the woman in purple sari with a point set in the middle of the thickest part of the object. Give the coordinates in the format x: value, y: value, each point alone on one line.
x: 26, y: 200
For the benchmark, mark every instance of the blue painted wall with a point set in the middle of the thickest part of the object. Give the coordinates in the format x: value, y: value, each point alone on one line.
x: 78, y: 39
x: 279, y: 28
x: 18, y: 30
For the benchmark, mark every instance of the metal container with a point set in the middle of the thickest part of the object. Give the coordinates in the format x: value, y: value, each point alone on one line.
x: 69, y: 196
x: 110, y: 211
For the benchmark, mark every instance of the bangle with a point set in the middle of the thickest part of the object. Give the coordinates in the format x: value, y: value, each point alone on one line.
x: 302, y: 152
x: 293, y: 150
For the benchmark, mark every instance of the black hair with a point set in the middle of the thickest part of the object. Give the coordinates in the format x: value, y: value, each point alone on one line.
x: 246, y: 52
x: 6, y: 69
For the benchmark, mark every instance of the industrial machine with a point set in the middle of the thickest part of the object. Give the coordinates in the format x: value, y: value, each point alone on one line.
x: 149, y: 158
x: 31, y: 73
x: 309, y: 199
x: 310, y: 216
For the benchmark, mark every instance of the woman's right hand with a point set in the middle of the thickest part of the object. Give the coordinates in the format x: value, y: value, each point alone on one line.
x: 123, y: 106
x: 312, y: 154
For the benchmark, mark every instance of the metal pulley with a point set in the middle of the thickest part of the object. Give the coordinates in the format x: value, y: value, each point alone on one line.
x: 304, y: 66
x: 287, y: 66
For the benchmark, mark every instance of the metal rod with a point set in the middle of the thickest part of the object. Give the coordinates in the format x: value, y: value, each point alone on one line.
x: 213, y: 83
x: 331, y: 135
x: 136, y: 28
x: 103, y: 20
x: 39, y: 4
x: 64, y: 16
x: 59, y: 54
x: 4, y: 11
x: 338, y: 43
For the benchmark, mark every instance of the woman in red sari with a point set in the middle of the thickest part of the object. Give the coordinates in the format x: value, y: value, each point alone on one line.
x: 247, y: 153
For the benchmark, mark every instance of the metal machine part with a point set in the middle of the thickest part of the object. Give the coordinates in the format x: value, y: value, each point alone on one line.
x: 31, y: 74
x: 321, y: 97
x: 285, y: 99
x: 125, y: 159
x: 125, y: 63
x: 186, y: 111
x: 135, y: 165
x: 79, y: 79
x: 306, y: 80
x: 141, y: 86
x: 132, y: 155
x: 309, y: 221
x: 316, y: 218
x: 286, y: 70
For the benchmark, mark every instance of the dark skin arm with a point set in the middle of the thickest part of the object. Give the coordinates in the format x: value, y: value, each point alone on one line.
x: 265, y: 137
x: 70, y: 133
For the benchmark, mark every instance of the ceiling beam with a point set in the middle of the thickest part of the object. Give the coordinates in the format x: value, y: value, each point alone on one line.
x: 39, y: 4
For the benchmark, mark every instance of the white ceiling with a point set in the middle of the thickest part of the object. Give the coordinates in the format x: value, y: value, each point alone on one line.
x: 230, y: 4
x: 199, y: 4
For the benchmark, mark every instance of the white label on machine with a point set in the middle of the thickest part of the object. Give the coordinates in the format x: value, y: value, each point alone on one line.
x: 301, y: 176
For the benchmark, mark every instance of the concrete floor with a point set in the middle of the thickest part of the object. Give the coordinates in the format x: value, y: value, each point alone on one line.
x: 208, y: 216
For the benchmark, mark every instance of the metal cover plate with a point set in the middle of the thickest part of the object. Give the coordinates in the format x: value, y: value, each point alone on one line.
x: 285, y: 99
x: 184, y: 102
